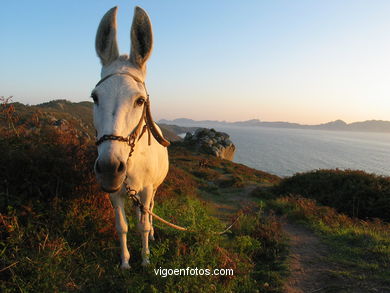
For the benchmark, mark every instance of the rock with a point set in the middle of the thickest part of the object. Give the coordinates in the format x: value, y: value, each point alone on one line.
x: 212, y: 142
x: 199, y: 132
x: 224, y: 135
x: 215, y: 151
x: 188, y: 136
x: 228, y: 152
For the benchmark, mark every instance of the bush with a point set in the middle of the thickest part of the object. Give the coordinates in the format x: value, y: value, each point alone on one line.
x: 355, y: 193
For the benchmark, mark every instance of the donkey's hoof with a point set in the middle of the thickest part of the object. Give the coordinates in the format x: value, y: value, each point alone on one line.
x: 151, y: 237
x: 145, y: 262
x: 125, y: 266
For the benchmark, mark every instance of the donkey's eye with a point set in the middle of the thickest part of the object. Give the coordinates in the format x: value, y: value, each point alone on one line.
x: 95, y: 98
x: 140, y: 101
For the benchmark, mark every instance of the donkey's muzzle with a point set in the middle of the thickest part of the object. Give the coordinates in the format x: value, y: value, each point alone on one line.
x: 110, y: 174
x: 113, y: 168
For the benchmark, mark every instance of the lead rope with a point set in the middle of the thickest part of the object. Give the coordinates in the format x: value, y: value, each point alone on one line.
x: 136, y: 201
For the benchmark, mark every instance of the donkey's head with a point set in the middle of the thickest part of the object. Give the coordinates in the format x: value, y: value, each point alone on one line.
x: 119, y: 99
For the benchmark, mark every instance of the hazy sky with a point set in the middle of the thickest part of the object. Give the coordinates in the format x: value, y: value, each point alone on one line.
x: 298, y: 61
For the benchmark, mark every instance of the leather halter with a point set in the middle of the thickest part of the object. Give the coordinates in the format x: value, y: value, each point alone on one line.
x: 146, y: 117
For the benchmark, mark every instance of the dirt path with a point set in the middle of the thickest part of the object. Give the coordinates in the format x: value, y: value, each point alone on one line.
x: 310, y: 271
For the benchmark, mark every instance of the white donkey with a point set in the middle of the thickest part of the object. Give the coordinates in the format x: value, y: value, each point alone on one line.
x: 121, y: 111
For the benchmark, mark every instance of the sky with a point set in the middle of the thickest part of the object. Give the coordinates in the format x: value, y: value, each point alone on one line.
x: 297, y: 61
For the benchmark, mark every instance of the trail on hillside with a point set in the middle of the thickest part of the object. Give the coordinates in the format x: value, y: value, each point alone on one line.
x: 310, y: 271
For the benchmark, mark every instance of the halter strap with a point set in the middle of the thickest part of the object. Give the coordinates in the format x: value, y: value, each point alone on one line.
x: 121, y: 73
x: 146, y: 116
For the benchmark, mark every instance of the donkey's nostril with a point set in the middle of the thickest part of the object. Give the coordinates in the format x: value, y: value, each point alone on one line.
x: 98, y: 167
x: 121, y: 167
x: 110, y: 168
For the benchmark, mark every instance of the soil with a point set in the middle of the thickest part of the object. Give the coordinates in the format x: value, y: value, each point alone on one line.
x: 309, y: 269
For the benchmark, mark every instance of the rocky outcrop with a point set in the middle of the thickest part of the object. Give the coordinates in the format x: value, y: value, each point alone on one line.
x: 212, y: 142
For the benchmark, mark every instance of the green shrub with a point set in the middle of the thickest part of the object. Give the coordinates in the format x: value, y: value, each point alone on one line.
x: 355, y: 193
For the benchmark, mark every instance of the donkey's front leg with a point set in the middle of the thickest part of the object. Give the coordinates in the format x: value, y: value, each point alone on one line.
x: 118, y: 201
x: 144, y: 223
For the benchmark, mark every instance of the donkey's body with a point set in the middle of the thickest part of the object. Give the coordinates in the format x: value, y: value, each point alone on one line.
x: 119, y: 102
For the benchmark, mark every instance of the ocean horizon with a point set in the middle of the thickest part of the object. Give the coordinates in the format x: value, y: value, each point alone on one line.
x: 284, y: 152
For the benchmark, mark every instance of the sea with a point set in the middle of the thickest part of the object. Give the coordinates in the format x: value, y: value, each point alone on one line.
x: 284, y: 151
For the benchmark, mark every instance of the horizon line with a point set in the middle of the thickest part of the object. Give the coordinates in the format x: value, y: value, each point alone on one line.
x: 220, y: 121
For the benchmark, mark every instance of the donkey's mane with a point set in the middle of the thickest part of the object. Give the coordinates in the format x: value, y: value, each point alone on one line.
x: 124, y: 57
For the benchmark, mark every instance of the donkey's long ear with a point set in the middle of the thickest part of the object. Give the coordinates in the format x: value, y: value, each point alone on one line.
x: 106, y: 44
x: 141, y: 38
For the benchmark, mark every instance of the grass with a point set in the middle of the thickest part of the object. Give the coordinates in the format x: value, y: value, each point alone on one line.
x: 57, y: 229
x: 79, y: 252
x: 361, y: 249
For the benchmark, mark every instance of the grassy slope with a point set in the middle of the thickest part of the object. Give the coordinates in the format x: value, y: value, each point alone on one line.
x: 57, y: 229
x: 360, y: 247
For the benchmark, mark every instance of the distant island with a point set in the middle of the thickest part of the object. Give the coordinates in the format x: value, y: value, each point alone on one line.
x: 339, y: 125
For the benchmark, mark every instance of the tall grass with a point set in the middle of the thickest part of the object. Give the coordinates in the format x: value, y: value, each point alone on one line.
x: 57, y: 228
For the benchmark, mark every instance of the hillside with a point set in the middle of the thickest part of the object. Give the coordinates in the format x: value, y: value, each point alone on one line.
x: 57, y: 231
